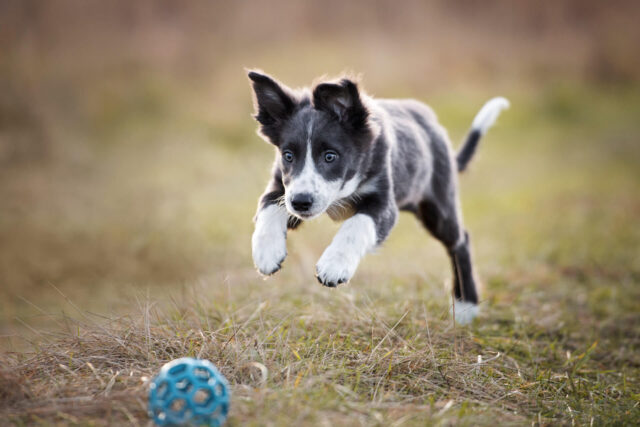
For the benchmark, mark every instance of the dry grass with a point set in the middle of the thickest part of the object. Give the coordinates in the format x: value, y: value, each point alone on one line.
x: 348, y: 357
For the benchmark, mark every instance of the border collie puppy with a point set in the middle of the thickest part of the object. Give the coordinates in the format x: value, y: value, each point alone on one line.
x: 361, y: 160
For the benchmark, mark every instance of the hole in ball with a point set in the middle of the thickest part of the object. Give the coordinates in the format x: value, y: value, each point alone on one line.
x: 163, y: 390
x: 178, y: 405
x: 219, y: 390
x: 202, y: 397
x: 202, y: 374
x: 184, y: 386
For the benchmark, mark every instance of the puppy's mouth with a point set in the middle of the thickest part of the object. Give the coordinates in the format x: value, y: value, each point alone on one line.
x: 305, y: 215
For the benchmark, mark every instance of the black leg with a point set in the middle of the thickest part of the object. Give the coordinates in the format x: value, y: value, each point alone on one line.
x: 443, y: 223
x: 464, y: 287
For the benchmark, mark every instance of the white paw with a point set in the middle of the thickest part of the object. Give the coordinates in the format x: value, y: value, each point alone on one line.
x: 465, y: 312
x: 340, y: 260
x: 336, y: 266
x: 269, y: 240
x: 269, y: 248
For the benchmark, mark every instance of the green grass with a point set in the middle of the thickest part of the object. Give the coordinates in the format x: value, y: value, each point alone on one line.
x: 133, y: 251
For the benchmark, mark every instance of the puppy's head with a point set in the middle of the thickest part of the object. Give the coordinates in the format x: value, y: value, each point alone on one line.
x: 322, y: 137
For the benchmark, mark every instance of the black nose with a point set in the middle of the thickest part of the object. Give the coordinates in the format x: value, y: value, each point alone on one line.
x: 302, y: 202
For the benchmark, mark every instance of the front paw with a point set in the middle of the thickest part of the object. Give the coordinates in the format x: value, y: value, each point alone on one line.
x: 269, y: 251
x: 336, y: 267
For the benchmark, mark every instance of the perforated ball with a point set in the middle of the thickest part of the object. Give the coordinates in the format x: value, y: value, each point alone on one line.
x: 189, y: 391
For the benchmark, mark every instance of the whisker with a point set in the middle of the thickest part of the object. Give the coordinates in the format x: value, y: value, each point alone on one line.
x: 280, y: 201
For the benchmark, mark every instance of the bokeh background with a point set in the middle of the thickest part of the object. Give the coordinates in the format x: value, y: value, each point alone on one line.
x: 129, y: 163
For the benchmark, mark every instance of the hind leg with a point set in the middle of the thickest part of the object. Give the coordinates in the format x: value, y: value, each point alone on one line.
x: 444, y: 223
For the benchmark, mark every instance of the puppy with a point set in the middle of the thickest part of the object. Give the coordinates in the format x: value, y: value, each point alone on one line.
x: 361, y: 160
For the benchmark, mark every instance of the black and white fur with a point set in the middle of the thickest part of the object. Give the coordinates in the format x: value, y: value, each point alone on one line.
x: 361, y: 160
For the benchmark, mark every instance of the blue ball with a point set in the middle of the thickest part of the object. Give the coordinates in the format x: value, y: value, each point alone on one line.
x: 189, y: 391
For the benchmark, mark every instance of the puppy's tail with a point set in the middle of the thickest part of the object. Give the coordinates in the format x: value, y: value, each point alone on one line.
x: 485, y: 118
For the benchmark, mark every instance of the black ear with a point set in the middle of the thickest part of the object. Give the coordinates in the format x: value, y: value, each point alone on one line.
x: 274, y: 102
x: 342, y: 100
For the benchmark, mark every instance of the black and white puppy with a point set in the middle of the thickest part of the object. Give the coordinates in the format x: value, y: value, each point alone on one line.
x: 361, y: 160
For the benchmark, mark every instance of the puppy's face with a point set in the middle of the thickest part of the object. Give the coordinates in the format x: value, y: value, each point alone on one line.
x: 319, y: 162
x: 321, y: 141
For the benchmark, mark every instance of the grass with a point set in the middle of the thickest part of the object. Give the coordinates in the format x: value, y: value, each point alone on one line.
x: 310, y: 356
x: 108, y: 278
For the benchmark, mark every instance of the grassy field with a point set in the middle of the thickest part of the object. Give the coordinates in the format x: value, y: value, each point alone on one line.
x: 128, y: 184
x: 553, y: 206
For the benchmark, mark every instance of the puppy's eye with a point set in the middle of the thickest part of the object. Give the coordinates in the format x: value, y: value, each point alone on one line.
x: 330, y: 156
x: 287, y: 156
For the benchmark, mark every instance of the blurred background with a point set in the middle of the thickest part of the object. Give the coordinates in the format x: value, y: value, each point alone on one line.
x: 129, y: 163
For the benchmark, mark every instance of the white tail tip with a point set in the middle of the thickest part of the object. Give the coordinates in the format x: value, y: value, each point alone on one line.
x: 488, y: 114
